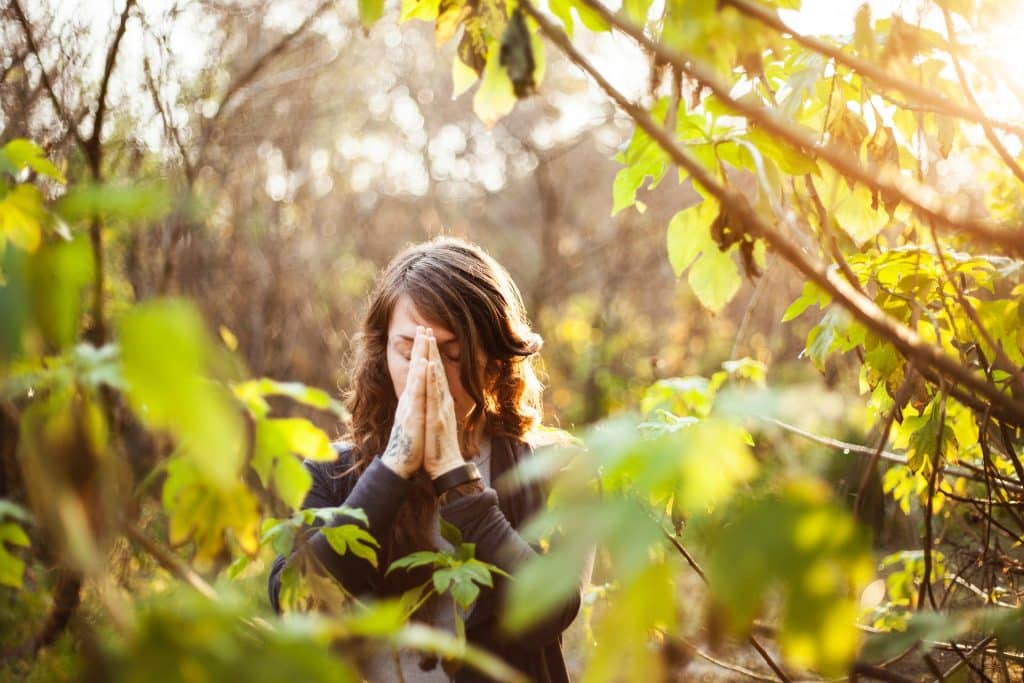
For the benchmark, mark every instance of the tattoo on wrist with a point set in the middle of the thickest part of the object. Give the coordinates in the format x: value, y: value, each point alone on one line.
x: 399, y: 446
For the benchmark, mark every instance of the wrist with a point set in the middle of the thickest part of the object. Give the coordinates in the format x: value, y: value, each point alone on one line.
x: 444, y: 468
x: 469, y: 488
x: 393, y: 464
x: 463, y: 473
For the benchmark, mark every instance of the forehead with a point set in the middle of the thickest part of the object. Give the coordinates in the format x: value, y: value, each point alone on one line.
x: 405, y: 317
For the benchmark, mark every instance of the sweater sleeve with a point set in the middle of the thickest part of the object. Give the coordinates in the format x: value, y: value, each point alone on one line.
x: 379, y: 493
x: 482, y: 522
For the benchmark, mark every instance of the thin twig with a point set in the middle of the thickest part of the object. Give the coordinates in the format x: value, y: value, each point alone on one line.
x: 169, y: 561
x: 858, y: 449
x: 769, y: 660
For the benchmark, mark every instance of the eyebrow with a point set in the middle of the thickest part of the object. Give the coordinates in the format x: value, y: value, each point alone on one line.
x: 407, y: 338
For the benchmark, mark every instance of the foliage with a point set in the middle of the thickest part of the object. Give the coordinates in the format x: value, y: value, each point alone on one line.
x: 835, y: 155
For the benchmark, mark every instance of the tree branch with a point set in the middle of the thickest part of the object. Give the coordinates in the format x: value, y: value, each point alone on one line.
x: 862, y: 307
x: 930, y: 98
x: 92, y: 145
x: 62, y: 112
x: 887, y: 181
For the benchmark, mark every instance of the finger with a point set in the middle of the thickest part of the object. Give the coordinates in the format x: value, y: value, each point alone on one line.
x: 432, y: 430
x: 419, y: 344
x: 435, y: 359
x: 417, y: 383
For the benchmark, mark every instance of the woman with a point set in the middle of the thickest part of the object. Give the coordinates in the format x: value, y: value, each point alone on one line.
x: 443, y: 401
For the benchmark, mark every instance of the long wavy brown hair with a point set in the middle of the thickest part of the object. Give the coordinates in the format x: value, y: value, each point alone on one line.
x: 456, y: 284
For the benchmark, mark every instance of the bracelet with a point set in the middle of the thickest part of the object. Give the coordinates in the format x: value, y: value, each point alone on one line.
x: 470, y: 488
x: 459, y: 475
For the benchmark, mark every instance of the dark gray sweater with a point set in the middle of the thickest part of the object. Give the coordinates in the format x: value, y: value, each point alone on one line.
x: 485, y: 519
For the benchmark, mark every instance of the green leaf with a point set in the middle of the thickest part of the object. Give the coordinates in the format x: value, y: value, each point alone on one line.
x: 60, y: 271
x: 591, y: 19
x: 442, y: 579
x: 167, y: 356
x: 811, y: 295
x: 280, y: 533
x: 275, y: 443
x: 21, y: 153
x: 130, y: 202
x: 464, y: 592
x: 919, y: 435
x: 924, y: 628
x: 715, y: 279
x: 329, y: 514
x: 253, y: 392
x: 563, y: 10
x: 370, y: 11
x: 788, y: 159
x: 643, y: 158
x: 714, y: 276
x: 300, y: 436
x: 350, y: 538
x: 622, y: 648
x: 291, y: 481
x: 827, y: 335
x: 688, y: 234
x: 11, y: 568
x: 420, y: 558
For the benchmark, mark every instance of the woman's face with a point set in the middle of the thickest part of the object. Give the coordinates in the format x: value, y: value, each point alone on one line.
x: 402, y: 333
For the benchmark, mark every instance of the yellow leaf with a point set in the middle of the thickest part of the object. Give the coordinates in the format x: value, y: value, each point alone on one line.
x: 419, y: 9
x: 448, y: 23
x: 463, y: 77
x: 21, y: 213
x: 229, y: 338
x: 495, y: 98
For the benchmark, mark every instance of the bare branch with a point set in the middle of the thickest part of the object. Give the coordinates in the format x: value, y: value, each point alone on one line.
x: 262, y: 61
x: 92, y: 145
x: 61, y: 110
